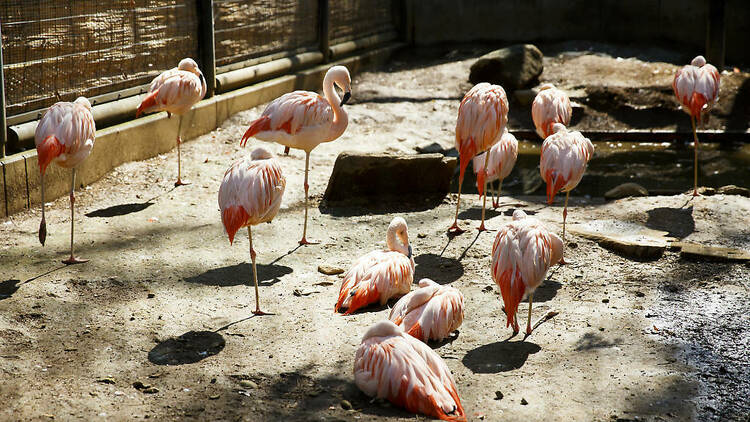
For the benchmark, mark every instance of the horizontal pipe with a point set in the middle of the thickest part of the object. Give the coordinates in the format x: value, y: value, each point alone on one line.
x: 263, y: 59
x: 345, y: 48
x: 650, y: 135
x: 249, y: 75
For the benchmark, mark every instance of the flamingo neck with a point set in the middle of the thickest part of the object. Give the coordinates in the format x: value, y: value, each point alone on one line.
x: 394, y: 243
x: 340, y: 118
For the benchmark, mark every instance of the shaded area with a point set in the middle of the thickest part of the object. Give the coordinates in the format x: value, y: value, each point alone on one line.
x: 448, y: 340
x: 441, y: 269
x: 8, y: 287
x: 241, y: 274
x: 118, y: 210
x: 475, y: 212
x: 383, y: 204
x: 190, y: 347
x: 678, y: 222
x: 501, y: 356
x: 546, y: 291
x: 592, y: 340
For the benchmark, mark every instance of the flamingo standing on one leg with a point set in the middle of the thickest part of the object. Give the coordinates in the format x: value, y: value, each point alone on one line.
x: 304, y: 119
x: 379, y: 275
x: 65, y: 135
x: 562, y: 163
x: 393, y: 365
x: 697, y: 88
x: 175, y: 91
x: 251, y: 194
x: 431, y: 312
x: 550, y: 106
x: 502, y: 158
x: 522, y: 253
x: 482, y: 117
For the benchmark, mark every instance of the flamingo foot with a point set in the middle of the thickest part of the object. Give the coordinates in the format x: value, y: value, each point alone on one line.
x: 454, y: 229
x: 286, y: 150
x: 74, y: 260
x: 563, y: 262
x: 304, y: 241
x: 258, y: 312
x: 695, y: 193
x: 528, y: 330
x: 482, y: 228
x: 179, y: 182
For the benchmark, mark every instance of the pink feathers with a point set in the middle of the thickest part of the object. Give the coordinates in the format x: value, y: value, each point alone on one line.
x: 550, y: 106
x: 431, y: 312
x: 697, y: 86
x: 176, y: 90
x: 502, y: 158
x: 563, y: 160
x: 65, y: 134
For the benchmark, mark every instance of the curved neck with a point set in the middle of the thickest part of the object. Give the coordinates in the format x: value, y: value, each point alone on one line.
x: 394, y: 243
x: 340, y: 118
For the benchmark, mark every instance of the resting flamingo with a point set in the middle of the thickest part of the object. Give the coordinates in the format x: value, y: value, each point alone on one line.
x: 65, y: 135
x: 522, y: 253
x: 482, y: 117
x: 393, y: 365
x: 175, y: 91
x: 562, y: 163
x: 697, y: 88
x: 431, y: 312
x: 379, y: 275
x: 502, y: 158
x: 251, y: 194
x: 550, y: 106
x: 303, y: 120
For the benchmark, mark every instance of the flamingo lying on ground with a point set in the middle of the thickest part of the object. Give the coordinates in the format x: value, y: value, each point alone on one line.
x: 65, y: 135
x: 697, y: 88
x: 303, y: 119
x: 175, y: 91
x: 550, y: 106
x: 431, y: 312
x: 482, y: 117
x: 562, y: 163
x: 392, y: 365
x: 522, y: 253
x: 379, y: 275
x: 502, y: 158
x: 251, y: 194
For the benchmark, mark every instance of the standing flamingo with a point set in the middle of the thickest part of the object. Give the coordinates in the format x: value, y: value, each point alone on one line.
x: 482, y: 117
x: 697, y: 88
x: 379, y: 275
x: 522, y: 253
x: 65, y: 135
x: 562, y: 163
x: 175, y: 91
x: 550, y: 106
x: 431, y: 312
x: 502, y: 158
x: 393, y: 365
x: 251, y: 194
x: 304, y: 119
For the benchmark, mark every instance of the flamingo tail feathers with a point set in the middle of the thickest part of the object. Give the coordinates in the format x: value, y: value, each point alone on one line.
x: 234, y: 218
x: 417, y: 332
x: 512, y: 289
x: 47, y: 150
x: 259, y: 125
x: 361, y: 298
x: 554, y: 184
x: 147, y: 103
x: 480, y: 181
x: 466, y: 152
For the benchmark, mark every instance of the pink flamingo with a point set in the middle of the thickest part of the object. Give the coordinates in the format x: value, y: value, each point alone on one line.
x: 502, y: 158
x: 482, y: 117
x: 65, y: 135
x: 303, y: 120
x: 431, y: 312
x: 697, y: 88
x: 550, y: 106
x: 175, y: 91
x: 392, y: 365
x: 251, y: 194
x: 379, y: 275
x: 562, y: 163
x: 522, y: 253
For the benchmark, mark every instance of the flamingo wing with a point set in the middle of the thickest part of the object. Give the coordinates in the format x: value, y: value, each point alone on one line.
x: 697, y: 88
x: 563, y: 160
x: 174, y: 91
x: 392, y: 365
x: 65, y: 134
x: 375, y: 277
x: 289, y: 114
x: 431, y: 312
x: 550, y: 106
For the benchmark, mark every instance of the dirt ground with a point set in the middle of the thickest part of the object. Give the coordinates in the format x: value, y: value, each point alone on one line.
x: 666, y: 339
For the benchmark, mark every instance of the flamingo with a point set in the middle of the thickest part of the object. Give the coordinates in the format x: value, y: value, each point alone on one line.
x: 562, y: 163
x: 175, y: 91
x: 522, y: 253
x: 431, y: 312
x: 392, y: 365
x: 379, y: 275
x: 697, y: 88
x: 251, y: 194
x: 550, y: 106
x: 65, y: 135
x: 502, y: 158
x: 482, y: 117
x: 304, y: 119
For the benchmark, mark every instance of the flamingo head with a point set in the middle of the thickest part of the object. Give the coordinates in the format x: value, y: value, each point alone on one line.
x: 383, y: 328
x: 698, y: 61
x: 339, y: 75
x: 425, y: 282
x: 189, y: 65
x: 546, y: 86
x: 518, y: 215
x: 398, y: 230
x: 558, y: 127
x: 84, y: 102
x: 260, y: 154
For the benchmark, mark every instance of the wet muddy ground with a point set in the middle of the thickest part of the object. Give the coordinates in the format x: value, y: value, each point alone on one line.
x: 157, y: 326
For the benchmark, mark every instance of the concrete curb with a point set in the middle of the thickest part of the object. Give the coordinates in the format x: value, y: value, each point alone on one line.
x: 155, y: 134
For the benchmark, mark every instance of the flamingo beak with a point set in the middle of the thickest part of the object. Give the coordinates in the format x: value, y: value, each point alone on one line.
x: 347, y: 96
x: 409, y: 256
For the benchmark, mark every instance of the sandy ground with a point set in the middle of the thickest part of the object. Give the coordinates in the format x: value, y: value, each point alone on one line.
x: 634, y: 340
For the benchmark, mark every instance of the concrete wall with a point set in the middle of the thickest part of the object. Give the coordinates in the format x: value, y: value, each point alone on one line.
x: 682, y: 22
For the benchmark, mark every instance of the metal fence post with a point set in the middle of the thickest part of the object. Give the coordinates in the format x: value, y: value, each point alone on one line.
x: 3, y: 121
x: 206, y: 44
x: 323, y: 29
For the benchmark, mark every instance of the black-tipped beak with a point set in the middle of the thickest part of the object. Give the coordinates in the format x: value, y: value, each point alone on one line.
x: 347, y: 95
x: 409, y: 256
x: 203, y: 80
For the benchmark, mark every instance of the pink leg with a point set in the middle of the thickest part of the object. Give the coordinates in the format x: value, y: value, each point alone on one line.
x: 565, y: 216
x: 695, y: 158
x: 73, y: 260
x: 179, y: 181
x: 481, y: 227
x: 255, y: 275
x: 304, y: 240
x: 454, y: 229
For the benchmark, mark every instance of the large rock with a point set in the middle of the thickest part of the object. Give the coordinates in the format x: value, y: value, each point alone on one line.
x: 628, y: 239
x: 514, y: 67
x: 625, y: 190
x: 733, y: 190
x: 386, y: 176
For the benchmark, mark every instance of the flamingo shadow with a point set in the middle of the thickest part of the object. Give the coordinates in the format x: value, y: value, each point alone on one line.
x: 125, y: 209
x: 501, y: 356
x: 190, y: 347
x: 678, y: 222
x: 442, y: 270
x: 241, y: 274
x: 547, y: 291
x: 10, y: 286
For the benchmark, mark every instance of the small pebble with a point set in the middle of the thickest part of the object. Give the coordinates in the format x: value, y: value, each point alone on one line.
x: 330, y: 269
x: 346, y: 405
x: 640, y: 293
x: 605, y: 300
x: 248, y: 384
x: 524, y: 402
x: 214, y: 396
x: 421, y: 235
x: 151, y: 390
x: 498, y: 395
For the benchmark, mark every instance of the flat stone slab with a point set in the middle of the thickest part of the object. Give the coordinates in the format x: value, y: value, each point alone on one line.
x: 712, y: 253
x: 629, y: 239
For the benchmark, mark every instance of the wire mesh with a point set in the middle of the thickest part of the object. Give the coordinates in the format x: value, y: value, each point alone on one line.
x: 246, y: 30
x: 352, y: 19
x: 59, y: 49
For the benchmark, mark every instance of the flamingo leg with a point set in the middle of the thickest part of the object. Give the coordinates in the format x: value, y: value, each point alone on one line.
x: 454, y: 228
x: 695, y: 157
x: 499, y: 191
x: 528, y: 322
x: 565, y: 216
x: 43, y: 223
x: 179, y: 181
x: 304, y: 240
x: 255, y: 274
x: 481, y: 227
x: 73, y: 260
x: 516, y: 329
